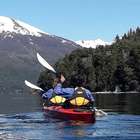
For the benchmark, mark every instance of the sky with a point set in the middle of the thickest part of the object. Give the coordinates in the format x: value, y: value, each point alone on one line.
x: 76, y: 19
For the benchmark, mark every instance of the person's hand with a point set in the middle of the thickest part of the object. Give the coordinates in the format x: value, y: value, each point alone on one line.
x: 62, y: 79
x: 55, y: 82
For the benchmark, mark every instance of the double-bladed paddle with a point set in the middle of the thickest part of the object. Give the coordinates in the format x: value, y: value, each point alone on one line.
x: 48, y: 66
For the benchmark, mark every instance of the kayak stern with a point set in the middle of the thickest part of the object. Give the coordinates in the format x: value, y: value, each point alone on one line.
x: 59, y: 112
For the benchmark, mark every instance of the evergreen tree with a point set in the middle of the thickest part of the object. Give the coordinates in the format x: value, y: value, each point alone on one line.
x: 104, y: 68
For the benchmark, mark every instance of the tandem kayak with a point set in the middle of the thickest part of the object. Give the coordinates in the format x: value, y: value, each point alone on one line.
x: 59, y: 112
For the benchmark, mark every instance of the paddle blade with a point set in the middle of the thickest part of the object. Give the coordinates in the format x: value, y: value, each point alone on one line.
x: 32, y: 85
x: 45, y: 63
x: 99, y: 112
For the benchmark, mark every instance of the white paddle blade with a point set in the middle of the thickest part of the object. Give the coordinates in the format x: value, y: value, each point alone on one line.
x: 32, y: 85
x: 45, y: 63
x: 99, y: 113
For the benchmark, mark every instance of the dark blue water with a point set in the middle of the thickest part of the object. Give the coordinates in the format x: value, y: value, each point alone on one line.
x: 121, y: 123
x: 35, y: 126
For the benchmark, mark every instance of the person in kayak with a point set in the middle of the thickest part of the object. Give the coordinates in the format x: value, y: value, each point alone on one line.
x: 57, y: 88
x: 70, y: 94
x: 81, y: 96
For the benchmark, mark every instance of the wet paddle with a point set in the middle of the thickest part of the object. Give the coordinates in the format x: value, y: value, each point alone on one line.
x: 45, y: 63
x: 29, y: 84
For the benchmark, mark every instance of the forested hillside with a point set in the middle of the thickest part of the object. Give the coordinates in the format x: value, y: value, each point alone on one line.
x: 105, y: 68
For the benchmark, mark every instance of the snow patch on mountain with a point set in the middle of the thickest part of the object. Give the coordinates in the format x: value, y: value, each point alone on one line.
x: 92, y: 43
x: 10, y: 25
x: 63, y: 41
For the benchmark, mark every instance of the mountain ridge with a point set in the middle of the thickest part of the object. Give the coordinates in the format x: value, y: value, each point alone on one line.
x: 18, y: 47
x: 92, y: 43
x: 12, y: 25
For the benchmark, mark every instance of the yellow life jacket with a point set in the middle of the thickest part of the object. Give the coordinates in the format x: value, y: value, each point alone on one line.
x: 57, y: 99
x: 79, y: 97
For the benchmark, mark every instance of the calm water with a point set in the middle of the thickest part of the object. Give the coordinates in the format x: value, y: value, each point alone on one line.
x: 23, y: 119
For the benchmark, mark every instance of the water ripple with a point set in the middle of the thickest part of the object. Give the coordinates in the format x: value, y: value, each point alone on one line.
x: 35, y: 126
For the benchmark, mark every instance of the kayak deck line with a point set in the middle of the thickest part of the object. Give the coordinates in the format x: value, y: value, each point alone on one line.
x: 69, y: 111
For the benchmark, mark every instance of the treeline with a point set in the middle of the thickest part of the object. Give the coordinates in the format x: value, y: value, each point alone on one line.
x: 105, y: 68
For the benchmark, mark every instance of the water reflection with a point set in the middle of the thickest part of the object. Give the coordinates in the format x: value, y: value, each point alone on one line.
x: 11, y: 103
x: 74, y: 129
x: 26, y: 102
x: 128, y: 103
x: 36, y: 126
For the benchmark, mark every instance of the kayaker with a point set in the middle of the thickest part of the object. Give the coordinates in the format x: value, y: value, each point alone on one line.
x: 68, y: 93
x: 57, y: 88
x: 81, y: 97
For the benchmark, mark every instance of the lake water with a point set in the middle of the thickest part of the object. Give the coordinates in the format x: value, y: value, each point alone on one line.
x: 22, y: 118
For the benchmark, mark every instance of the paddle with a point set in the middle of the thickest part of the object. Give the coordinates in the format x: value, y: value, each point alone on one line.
x: 45, y: 63
x: 100, y: 112
x: 27, y: 83
x: 48, y: 66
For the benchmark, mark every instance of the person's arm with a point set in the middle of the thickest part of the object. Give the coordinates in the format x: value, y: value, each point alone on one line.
x: 89, y: 94
x: 58, y: 88
x: 47, y: 94
x: 66, y: 92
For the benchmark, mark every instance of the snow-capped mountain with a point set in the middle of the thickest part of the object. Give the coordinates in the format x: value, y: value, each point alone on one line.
x: 10, y: 28
x: 15, y: 26
x: 92, y: 43
x: 19, y: 43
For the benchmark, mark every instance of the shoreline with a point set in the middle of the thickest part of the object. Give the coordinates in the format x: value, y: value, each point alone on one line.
x: 110, y: 92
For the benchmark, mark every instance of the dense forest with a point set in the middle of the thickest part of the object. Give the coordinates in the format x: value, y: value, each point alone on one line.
x: 105, y: 68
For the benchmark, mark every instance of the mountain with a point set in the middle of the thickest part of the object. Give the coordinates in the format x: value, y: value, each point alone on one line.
x: 15, y: 26
x: 92, y: 43
x: 19, y: 43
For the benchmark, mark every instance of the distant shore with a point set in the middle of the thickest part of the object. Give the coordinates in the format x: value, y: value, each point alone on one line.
x: 110, y: 92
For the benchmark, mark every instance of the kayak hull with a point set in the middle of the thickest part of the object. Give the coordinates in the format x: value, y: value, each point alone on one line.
x: 59, y: 112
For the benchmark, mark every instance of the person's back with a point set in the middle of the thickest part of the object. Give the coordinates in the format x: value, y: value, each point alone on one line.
x: 68, y: 93
x: 79, y: 83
